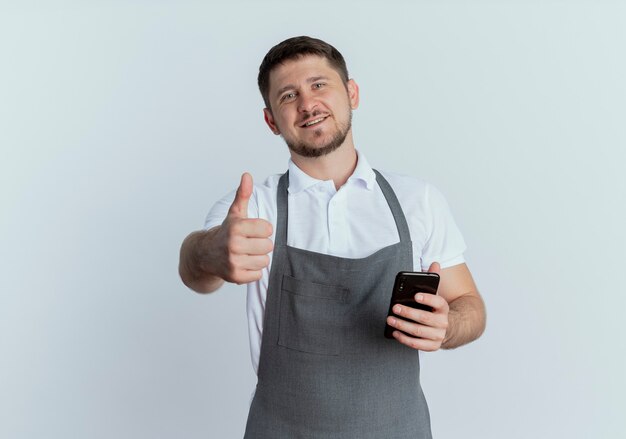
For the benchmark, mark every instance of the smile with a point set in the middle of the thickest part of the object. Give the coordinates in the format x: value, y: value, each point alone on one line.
x: 313, y: 122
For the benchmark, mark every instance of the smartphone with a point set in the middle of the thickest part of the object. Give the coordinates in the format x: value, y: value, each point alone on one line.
x: 406, y: 286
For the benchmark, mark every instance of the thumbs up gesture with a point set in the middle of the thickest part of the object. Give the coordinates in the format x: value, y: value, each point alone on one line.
x: 242, y: 243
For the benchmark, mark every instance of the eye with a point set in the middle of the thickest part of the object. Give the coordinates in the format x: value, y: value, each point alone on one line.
x: 318, y: 85
x: 288, y: 97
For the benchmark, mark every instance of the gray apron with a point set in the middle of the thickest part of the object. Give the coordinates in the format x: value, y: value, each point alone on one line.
x: 325, y: 369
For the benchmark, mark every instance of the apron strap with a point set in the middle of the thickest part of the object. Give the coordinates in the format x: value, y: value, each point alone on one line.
x: 396, y: 209
x: 282, y: 212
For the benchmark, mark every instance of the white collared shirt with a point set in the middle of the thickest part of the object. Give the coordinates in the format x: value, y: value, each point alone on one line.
x: 352, y: 222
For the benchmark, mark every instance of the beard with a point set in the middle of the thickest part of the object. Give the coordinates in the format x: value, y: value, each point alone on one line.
x: 307, y: 150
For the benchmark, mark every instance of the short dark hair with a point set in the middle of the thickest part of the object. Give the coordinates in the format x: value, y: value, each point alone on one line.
x: 294, y: 48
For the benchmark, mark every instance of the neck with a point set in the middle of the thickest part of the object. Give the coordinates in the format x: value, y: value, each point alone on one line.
x: 337, y: 166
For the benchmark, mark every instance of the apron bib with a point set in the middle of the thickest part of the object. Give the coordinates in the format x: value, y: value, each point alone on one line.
x: 325, y: 369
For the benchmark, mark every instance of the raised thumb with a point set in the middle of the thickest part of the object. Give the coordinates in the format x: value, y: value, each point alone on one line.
x: 244, y: 192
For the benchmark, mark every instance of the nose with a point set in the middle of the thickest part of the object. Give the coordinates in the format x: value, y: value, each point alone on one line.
x: 306, y: 103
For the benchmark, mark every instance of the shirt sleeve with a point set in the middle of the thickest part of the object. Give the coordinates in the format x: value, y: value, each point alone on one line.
x: 445, y: 243
x: 218, y: 212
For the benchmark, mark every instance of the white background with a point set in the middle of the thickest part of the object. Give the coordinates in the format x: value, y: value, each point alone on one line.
x: 122, y: 122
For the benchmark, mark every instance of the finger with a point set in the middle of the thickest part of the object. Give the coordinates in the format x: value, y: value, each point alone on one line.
x: 419, y: 316
x: 240, y: 263
x: 258, y: 246
x: 242, y: 246
x: 239, y: 207
x: 253, y: 228
x: 436, y: 302
x: 434, y: 268
x: 416, y: 343
x: 417, y: 330
x: 255, y: 263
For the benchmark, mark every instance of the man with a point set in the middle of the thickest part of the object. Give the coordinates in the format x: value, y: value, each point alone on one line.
x: 319, y: 248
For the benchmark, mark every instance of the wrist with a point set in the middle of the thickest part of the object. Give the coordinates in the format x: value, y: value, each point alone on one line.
x: 204, y: 257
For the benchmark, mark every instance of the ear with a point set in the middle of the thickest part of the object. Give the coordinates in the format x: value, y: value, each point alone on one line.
x: 353, y: 94
x: 269, y: 120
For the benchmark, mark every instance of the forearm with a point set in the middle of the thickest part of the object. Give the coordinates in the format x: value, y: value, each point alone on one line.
x: 195, y: 265
x: 466, y: 321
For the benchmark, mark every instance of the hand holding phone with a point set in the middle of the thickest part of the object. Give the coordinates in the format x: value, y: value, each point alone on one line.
x: 406, y: 286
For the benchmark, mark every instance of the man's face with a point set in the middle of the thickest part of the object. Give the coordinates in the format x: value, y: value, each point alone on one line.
x: 310, y: 105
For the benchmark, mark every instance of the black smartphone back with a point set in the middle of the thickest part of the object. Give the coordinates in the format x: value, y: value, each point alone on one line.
x: 406, y: 286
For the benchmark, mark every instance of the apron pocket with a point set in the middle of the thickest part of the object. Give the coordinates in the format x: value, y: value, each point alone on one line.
x: 312, y: 316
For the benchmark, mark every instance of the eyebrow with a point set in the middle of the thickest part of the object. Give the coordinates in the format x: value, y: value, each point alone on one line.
x: 309, y: 81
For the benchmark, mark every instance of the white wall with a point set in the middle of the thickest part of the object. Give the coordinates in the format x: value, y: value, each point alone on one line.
x: 122, y: 122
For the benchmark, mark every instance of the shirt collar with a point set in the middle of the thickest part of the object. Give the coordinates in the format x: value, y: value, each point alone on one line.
x: 300, y: 181
x: 364, y: 172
